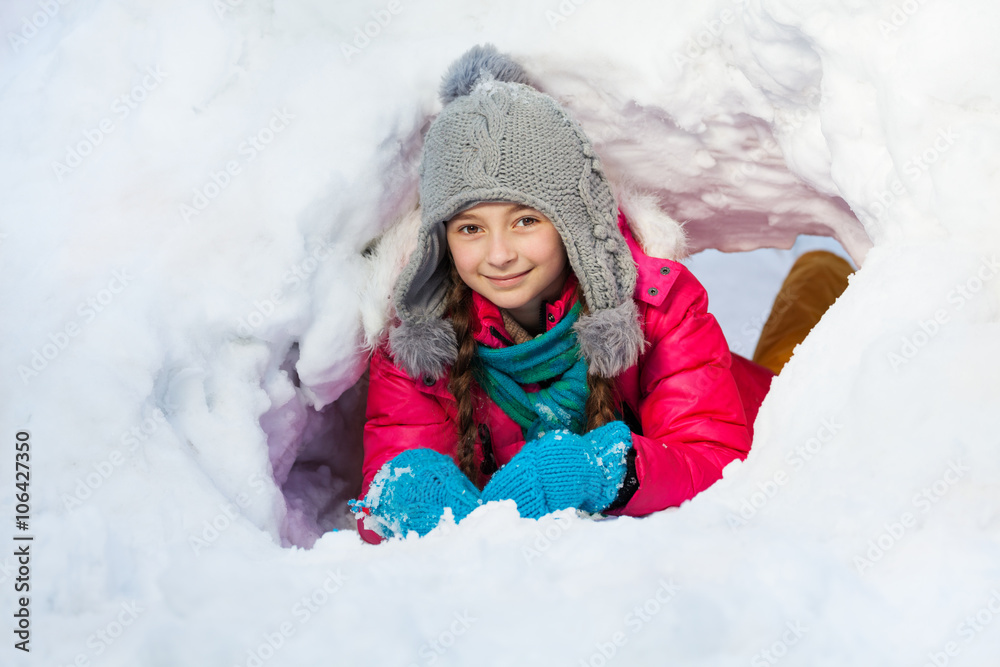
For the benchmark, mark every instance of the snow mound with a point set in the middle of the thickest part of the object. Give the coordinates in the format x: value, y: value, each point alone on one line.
x: 192, y: 191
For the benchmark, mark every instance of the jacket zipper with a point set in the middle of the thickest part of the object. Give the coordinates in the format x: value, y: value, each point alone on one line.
x: 489, y: 465
x: 496, y: 333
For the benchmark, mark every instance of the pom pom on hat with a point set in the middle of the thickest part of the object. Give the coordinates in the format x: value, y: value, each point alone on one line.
x: 463, y: 74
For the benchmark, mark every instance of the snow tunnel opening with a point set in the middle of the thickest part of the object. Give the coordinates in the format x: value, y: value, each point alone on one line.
x: 744, y: 287
x: 315, y: 456
x: 729, y: 184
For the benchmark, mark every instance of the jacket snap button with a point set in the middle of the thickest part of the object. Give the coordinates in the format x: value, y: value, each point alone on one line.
x: 552, y: 318
x: 653, y: 291
x: 665, y: 270
x: 428, y: 380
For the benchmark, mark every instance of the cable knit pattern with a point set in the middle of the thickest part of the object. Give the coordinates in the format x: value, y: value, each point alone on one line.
x: 561, y: 470
x: 506, y: 141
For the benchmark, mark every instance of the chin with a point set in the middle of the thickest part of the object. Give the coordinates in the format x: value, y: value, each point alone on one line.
x: 506, y: 301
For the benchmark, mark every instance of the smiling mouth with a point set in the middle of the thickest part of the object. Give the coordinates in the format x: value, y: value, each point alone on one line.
x: 503, y: 281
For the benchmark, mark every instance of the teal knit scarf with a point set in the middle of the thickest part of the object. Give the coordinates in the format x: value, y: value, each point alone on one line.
x: 554, y: 357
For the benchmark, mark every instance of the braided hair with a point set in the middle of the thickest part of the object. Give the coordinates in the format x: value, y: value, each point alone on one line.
x: 601, y: 400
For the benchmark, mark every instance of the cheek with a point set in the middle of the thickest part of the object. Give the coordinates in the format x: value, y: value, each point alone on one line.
x: 551, y: 254
x: 464, y: 259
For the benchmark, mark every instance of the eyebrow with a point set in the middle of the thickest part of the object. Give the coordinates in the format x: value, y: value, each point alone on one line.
x: 512, y: 208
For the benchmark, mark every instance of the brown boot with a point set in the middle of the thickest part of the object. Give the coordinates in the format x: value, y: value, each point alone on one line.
x: 814, y: 282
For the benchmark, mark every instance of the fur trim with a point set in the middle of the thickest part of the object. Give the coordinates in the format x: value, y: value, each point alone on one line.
x: 611, y: 339
x: 424, y: 349
x: 658, y: 234
x: 463, y: 74
x: 384, y: 261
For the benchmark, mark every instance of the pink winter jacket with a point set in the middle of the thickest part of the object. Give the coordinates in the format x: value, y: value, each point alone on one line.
x: 694, y: 402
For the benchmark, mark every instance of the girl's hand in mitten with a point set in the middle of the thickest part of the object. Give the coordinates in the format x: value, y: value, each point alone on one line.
x: 562, y: 469
x: 411, y: 491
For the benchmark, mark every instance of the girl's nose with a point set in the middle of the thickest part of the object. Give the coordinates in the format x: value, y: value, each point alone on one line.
x: 501, y: 251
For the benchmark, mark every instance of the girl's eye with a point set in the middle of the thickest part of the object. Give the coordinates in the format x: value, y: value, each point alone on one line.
x: 468, y: 229
x: 526, y: 221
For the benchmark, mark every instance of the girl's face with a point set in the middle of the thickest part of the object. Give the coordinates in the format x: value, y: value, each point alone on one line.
x: 511, y: 254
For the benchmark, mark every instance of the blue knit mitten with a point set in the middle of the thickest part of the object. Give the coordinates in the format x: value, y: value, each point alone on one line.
x: 411, y: 491
x: 562, y: 469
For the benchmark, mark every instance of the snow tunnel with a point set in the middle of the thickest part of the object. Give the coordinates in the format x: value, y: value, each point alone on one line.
x: 723, y: 178
x: 196, y: 200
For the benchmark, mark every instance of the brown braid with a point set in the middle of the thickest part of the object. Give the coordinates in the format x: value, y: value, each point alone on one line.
x: 459, y: 305
x: 601, y: 401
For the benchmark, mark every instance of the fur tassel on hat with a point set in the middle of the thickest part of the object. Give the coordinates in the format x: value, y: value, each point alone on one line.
x: 611, y: 339
x: 424, y: 349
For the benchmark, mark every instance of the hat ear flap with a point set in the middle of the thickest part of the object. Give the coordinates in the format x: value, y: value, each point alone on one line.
x: 424, y: 343
x: 422, y: 286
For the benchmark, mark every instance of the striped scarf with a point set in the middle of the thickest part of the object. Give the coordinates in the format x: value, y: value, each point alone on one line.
x: 552, y: 359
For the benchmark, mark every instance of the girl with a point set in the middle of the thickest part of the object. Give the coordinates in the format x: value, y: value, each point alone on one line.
x: 539, y: 355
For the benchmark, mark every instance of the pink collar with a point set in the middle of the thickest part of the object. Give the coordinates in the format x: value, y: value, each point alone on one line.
x: 487, y: 323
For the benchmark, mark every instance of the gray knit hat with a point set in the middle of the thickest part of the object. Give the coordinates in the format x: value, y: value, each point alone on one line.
x: 500, y: 139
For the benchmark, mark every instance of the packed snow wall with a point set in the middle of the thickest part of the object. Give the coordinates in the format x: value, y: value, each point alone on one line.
x: 191, y: 195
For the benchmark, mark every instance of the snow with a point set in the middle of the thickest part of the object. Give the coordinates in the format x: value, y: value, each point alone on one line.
x: 188, y: 188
